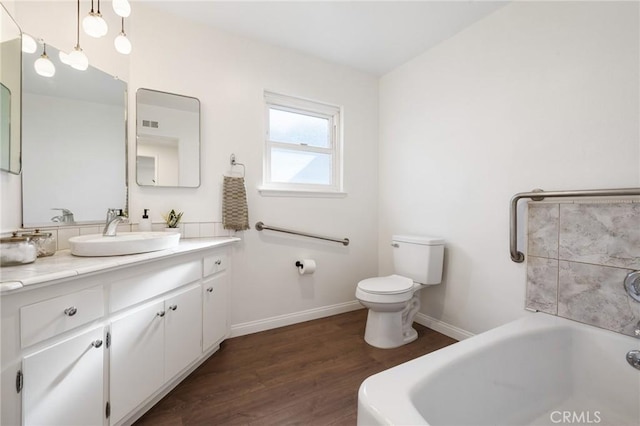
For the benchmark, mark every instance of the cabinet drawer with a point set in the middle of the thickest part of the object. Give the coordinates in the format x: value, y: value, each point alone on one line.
x: 214, y: 264
x: 135, y: 289
x: 46, y: 319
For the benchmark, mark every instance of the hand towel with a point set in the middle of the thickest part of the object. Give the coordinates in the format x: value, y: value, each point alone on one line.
x: 235, y: 212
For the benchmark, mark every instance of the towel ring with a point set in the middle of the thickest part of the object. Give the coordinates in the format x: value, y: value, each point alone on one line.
x: 233, y: 162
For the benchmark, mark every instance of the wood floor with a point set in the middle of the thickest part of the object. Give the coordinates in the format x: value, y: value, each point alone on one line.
x: 304, y: 374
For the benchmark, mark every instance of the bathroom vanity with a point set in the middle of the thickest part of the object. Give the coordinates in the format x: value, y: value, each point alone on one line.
x: 98, y: 341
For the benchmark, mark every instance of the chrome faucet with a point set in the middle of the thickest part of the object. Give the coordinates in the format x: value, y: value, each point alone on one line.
x: 114, y: 217
x: 65, y: 217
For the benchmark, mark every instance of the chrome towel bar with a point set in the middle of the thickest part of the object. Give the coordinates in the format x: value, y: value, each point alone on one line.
x: 260, y: 226
x: 538, y: 195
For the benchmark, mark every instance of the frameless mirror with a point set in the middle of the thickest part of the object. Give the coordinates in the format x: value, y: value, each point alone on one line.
x: 10, y: 86
x: 74, y: 144
x: 167, y: 139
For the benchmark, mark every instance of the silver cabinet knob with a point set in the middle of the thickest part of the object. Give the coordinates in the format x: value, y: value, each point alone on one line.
x: 173, y: 307
x: 160, y: 314
x: 96, y: 343
x: 70, y: 311
x: 210, y: 290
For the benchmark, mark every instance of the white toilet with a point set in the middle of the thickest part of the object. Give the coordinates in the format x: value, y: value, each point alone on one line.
x: 393, y: 301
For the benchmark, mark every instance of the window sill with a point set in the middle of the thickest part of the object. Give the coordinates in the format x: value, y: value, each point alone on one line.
x: 271, y: 192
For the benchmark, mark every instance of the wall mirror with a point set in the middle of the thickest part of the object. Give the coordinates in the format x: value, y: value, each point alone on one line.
x: 74, y: 143
x: 167, y: 139
x: 10, y: 89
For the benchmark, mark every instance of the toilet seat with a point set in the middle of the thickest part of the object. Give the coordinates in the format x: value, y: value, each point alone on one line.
x: 392, y: 284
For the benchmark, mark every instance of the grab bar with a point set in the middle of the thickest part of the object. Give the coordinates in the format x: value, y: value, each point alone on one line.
x: 539, y: 194
x: 260, y: 226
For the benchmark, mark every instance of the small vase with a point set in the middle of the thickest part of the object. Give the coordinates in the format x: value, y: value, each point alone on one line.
x: 167, y: 229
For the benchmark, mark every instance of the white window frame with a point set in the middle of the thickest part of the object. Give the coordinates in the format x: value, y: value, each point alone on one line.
x: 333, y: 114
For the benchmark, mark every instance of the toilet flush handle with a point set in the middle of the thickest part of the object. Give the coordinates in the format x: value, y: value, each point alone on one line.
x: 396, y: 245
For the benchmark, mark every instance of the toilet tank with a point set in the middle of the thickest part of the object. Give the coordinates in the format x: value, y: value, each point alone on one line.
x: 419, y: 258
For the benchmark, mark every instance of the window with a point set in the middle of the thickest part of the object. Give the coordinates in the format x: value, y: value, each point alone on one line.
x: 302, y: 145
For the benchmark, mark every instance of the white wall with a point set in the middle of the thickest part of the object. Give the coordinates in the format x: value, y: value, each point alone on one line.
x: 229, y: 74
x: 536, y: 95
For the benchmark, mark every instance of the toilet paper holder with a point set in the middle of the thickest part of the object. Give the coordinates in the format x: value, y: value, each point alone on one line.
x: 306, y: 266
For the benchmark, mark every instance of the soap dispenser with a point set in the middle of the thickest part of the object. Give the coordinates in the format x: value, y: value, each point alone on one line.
x: 145, y: 222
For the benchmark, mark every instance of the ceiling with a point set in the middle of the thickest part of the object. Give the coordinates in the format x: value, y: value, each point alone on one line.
x: 371, y: 36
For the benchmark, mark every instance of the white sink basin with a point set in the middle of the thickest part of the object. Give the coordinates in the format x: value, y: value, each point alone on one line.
x: 123, y: 243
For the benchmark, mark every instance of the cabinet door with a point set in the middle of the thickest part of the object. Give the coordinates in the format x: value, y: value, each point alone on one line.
x: 183, y: 330
x: 63, y: 383
x: 214, y: 310
x: 137, y: 358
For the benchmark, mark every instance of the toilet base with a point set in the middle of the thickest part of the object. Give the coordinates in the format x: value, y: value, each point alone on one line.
x: 410, y: 335
x: 390, y: 329
x: 385, y: 330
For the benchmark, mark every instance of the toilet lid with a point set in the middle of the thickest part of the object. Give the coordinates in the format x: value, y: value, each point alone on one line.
x: 392, y: 284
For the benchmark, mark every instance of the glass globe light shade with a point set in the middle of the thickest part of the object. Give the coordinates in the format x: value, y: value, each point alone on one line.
x: 91, y: 25
x: 78, y: 60
x: 64, y: 57
x: 103, y: 28
x: 122, y: 44
x: 122, y: 8
x: 29, y: 45
x: 44, y: 66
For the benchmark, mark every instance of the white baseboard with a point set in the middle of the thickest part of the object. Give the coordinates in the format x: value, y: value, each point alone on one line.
x: 442, y: 327
x: 293, y: 318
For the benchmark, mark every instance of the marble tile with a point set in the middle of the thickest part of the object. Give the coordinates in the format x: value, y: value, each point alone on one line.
x: 601, y: 233
x: 63, y: 237
x: 88, y: 230
x: 123, y: 227
x: 542, y: 284
x: 542, y: 236
x: 191, y: 230
x: 595, y: 295
x: 158, y: 227
x: 207, y: 229
x: 64, y: 265
x: 221, y: 232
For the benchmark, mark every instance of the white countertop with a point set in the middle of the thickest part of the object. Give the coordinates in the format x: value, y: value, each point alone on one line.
x: 64, y: 265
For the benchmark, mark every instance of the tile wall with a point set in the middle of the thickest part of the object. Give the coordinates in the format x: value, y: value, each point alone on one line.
x: 188, y: 230
x: 578, y: 255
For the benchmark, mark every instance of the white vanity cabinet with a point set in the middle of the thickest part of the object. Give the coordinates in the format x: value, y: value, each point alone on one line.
x: 136, y: 358
x: 215, y: 301
x: 65, y: 382
x: 150, y: 346
x: 102, y: 347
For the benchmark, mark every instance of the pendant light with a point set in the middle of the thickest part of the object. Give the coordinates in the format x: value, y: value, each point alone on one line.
x: 43, y: 64
x: 122, y: 8
x: 77, y: 59
x: 64, y: 57
x: 122, y: 43
x: 103, y: 27
x: 29, y: 45
x: 94, y: 24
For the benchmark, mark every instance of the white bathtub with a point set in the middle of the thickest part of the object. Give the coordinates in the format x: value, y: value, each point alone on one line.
x: 539, y: 370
